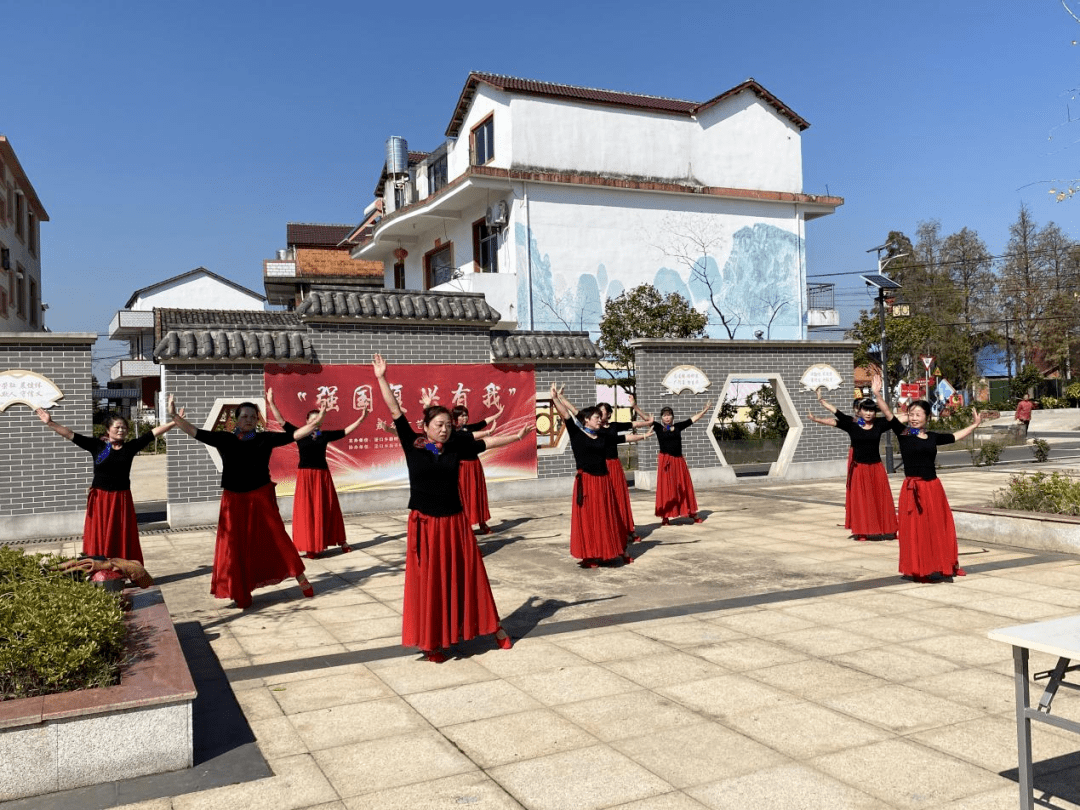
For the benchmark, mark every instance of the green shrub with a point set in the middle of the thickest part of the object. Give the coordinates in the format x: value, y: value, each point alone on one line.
x: 1055, y: 493
x: 1041, y: 449
x: 58, y: 633
x: 1049, y: 403
x: 1072, y: 393
x: 988, y: 454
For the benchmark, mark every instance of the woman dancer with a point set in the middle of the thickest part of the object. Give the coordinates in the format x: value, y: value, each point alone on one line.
x: 110, y: 528
x: 317, y: 520
x: 596, y: 531
x: 870, y: 512
x: 616, y: 476
x: 928, y: 551
x: 447, y: 594
x: 471, y: 480
x: 253, y: 549
x: 674, y: 489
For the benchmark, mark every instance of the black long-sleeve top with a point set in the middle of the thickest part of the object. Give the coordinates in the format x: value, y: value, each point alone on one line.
x: 590, y: 454
x: 245, y: 463
x: 113, y: 472
x: 313, y: 447
x: 865, y: 443
x: 670, y: 441
x: 612, y: 430
x: 433, y: 477
x: 919, y: 454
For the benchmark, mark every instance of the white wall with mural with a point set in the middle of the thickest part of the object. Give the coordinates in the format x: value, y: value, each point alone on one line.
x: 741, y: 262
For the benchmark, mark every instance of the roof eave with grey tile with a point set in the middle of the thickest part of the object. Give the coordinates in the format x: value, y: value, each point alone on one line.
x: 446, y: 309
x: 228, y: 346
x: 536, y: 348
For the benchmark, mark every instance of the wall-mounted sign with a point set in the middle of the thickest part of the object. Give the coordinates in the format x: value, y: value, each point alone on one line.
x: 685, y: 378
x: 21, y: 387
x: 821, y: 375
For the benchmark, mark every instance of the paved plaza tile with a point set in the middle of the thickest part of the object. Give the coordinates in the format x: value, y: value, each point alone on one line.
x: 761, y: 659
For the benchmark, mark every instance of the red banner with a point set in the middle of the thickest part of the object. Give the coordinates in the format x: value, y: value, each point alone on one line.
x: 370, y: 458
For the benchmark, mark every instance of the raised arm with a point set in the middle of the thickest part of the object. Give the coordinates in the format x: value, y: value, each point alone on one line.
x: 560, y: 406
x: 272, y: 405
x: 350, y: 428
x: 379, y: 366
x: 637, y: 437
x: 831, y: 422
x: 161, y: 429
x: 509, y: 438
x: 55, y: 427
x: 702, y: 412
x: 178, y: 417
x: 883, y: 406
x: 309, y: 427
x: 824, y: 403
x: 965, y: 432
x: 647, y: 417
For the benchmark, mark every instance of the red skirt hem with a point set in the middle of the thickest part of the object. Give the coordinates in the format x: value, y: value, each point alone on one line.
x: 871, y: 508
x: 253, y: 549
x: 596, y: 533
x: 621, y: 491
x: 674, y: 489
x: 472, y: 487
x: 317, y: 520
x: 927, y: 532
x: 447, y: 594
x: 111, y: 528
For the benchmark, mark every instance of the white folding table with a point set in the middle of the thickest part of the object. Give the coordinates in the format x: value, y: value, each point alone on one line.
x: 1060, y: 637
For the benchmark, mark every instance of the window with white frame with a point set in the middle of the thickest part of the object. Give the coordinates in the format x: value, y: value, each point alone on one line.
x: 437, y: 174
x: 485, y: 247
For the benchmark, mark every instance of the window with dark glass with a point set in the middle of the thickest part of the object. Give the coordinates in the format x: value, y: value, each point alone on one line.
x: 439, y: 266
x: 35, y: 307
x: 399, y: 275
x: 483, y: 141
x: 20, y: 291
x: 436, y: 174
x: 485, y: 247
x: 31, y: 235
x: 20, y: 216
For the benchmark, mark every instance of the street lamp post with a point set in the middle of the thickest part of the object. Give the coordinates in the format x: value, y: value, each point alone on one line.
x: 883, y: 284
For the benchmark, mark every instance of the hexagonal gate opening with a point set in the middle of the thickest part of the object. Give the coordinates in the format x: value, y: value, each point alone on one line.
x: 755, y: 422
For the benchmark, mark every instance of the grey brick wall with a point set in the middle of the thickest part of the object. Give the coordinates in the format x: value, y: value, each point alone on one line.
x: 192, y: 475
x: 41, y: 474
x: 717, y: 359
x: 193, y: 479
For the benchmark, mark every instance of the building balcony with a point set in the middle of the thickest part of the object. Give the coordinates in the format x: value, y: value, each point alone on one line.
x: 821, y: 305
x: 128, y: 323
x: 134, y: 370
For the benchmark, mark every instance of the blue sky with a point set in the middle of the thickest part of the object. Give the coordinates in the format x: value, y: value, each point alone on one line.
x: 166, y: 136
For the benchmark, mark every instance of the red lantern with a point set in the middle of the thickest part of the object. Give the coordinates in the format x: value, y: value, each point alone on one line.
x: 400, y: 254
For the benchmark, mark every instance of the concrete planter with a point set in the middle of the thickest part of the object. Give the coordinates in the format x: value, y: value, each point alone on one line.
x: 1032, y: 530
x: 94, y: 736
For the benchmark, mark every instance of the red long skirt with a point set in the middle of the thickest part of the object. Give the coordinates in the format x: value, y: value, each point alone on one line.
x: 621, y: 492
x: 870, y: 502
x: 111, y: 528
x: 253, y: 549
x: 447, y: 594
x: 927, y: 532
x: 674, y: 489
x: 317, y: 520
x: 596, y: 533
x: 472, y: 487
x: 847, y: 496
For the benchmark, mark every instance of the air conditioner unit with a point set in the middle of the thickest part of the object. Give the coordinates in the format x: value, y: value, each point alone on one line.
x: 5, y: 258
x: 498, y: 215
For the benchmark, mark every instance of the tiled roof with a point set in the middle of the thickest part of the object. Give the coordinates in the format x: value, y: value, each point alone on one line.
x: 197, y: 271
x: 325, y: 263
x: 216, y: 345
x: 399, y: 305
x: 571, y: 92
x: 310, y: 234
x: 539, y: 347
x: 230, y: 336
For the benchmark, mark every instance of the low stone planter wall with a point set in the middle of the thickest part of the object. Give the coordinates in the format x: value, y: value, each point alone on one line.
x: 1033, y: 530
x: 94, y: 736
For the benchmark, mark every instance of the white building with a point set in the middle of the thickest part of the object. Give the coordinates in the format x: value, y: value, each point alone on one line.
x: 551, y: 198
x: 21, y: 212
x: 136, y: 323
